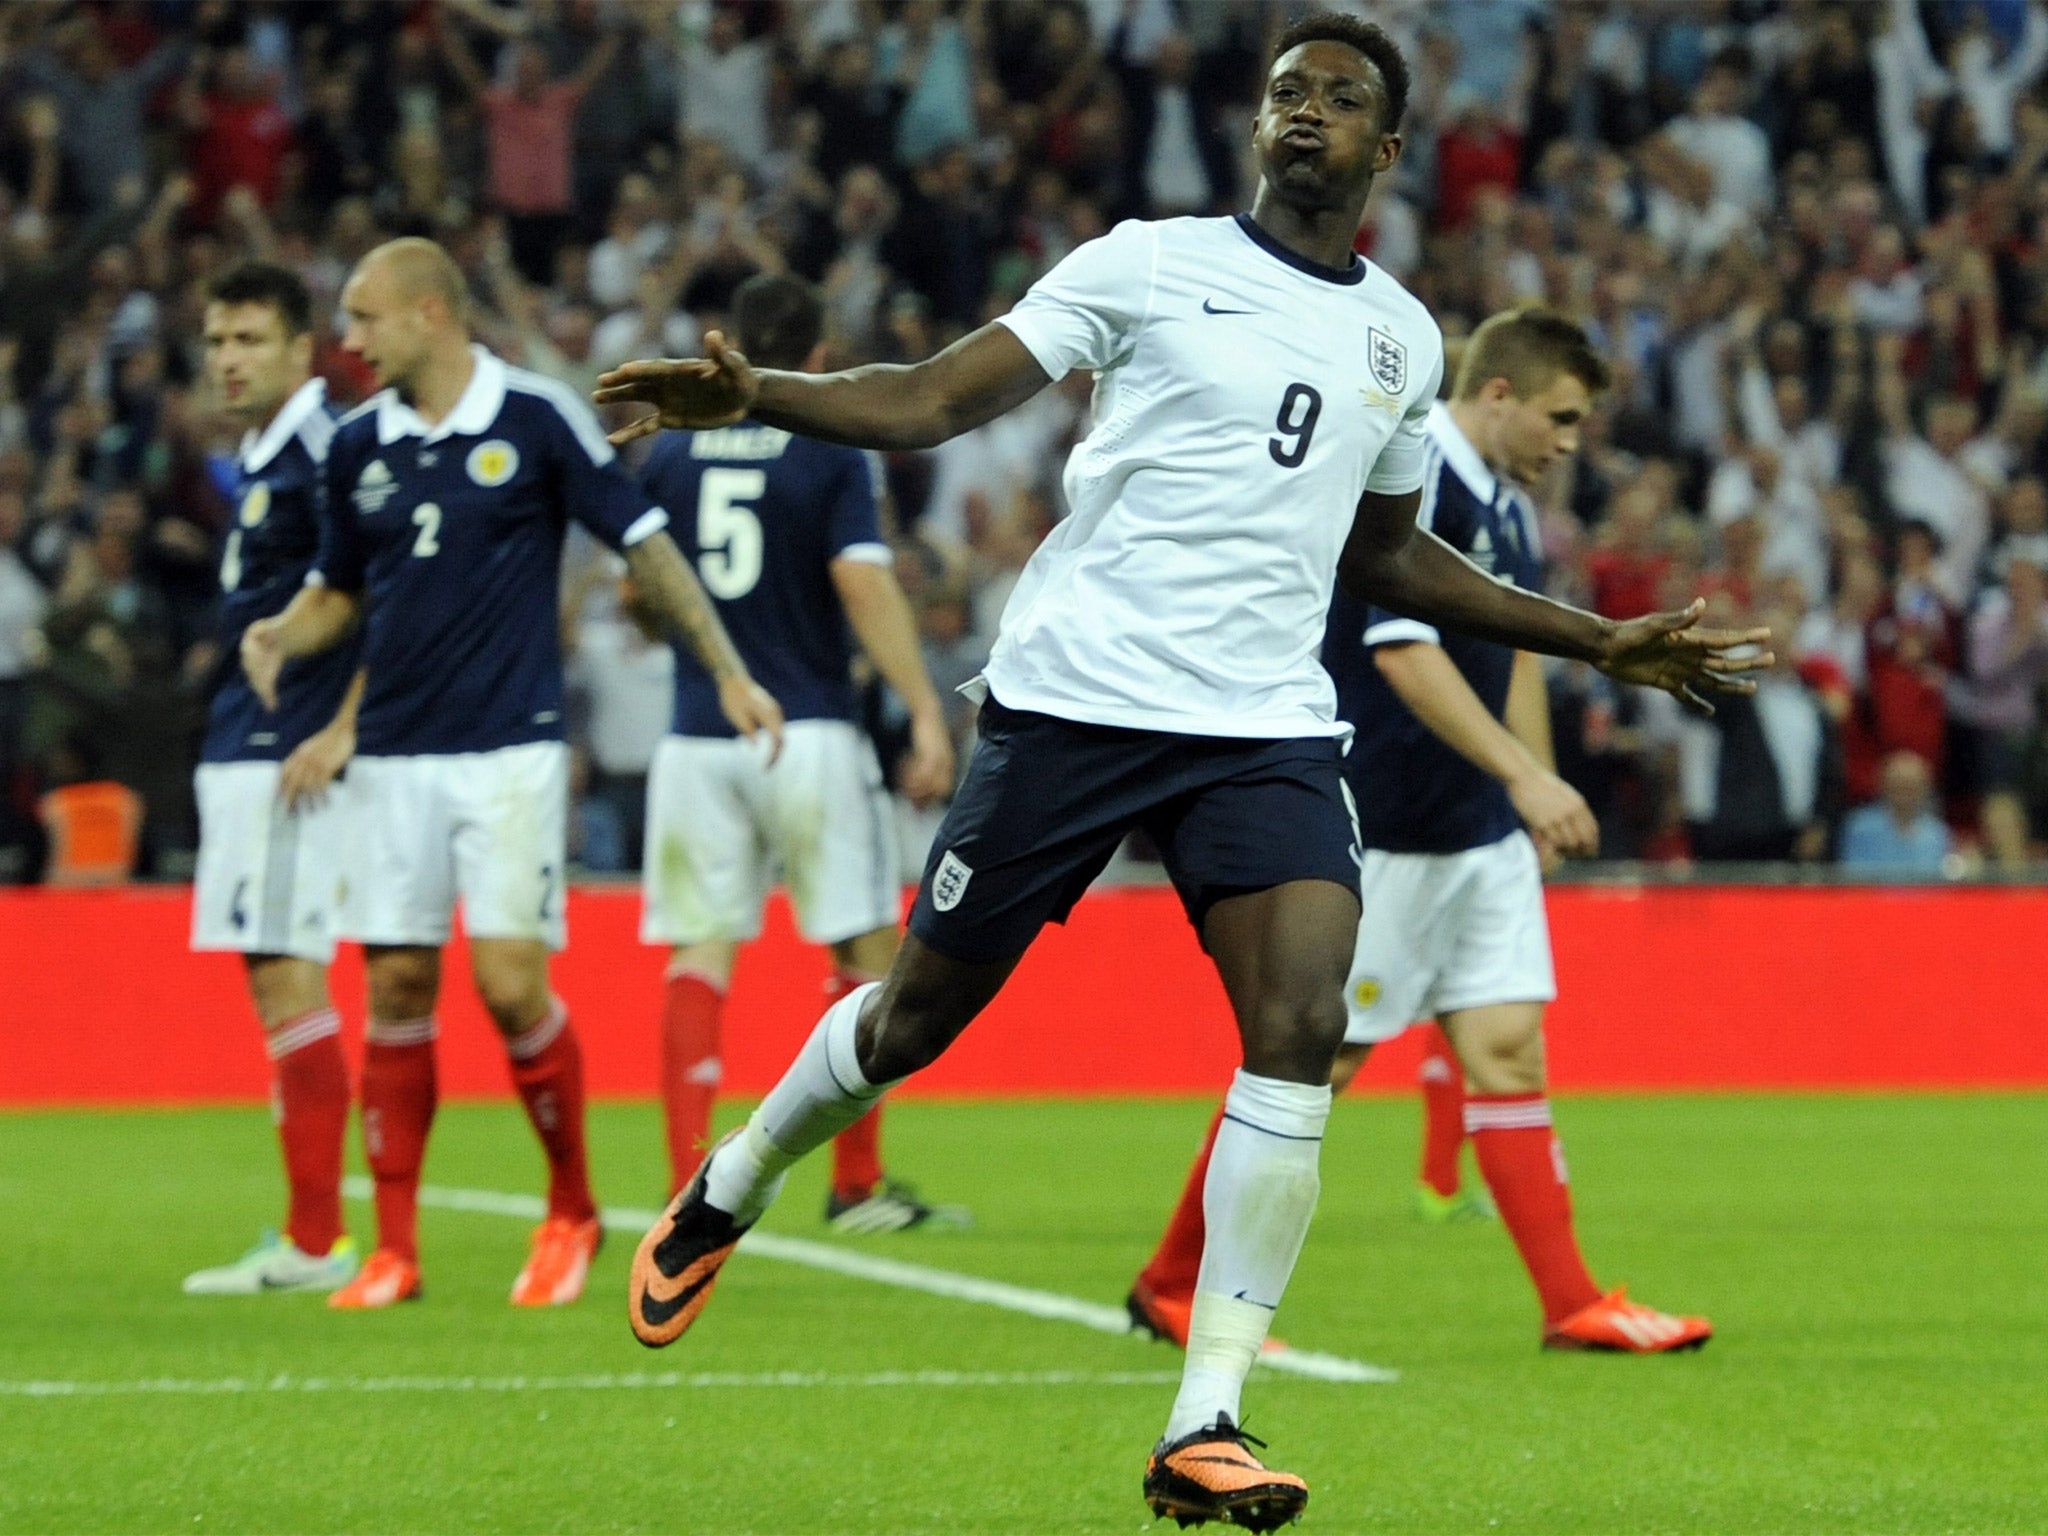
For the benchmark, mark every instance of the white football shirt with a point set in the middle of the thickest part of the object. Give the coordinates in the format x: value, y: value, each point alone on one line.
x: 1245, y: 398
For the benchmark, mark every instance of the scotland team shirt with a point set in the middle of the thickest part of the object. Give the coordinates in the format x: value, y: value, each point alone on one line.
x: 761, y: 515
x: 270, y: 547
x: 1415, y: 793
x: 453, y: 533
x: 1245, y: 399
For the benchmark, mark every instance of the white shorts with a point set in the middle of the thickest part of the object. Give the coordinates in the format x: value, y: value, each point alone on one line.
x: 489, y: 827
x: 1445, y: 931
x: 269, y: 880
x: 721, y: 829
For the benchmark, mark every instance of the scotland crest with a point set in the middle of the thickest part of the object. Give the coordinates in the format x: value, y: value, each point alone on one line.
x: 1388, y: 360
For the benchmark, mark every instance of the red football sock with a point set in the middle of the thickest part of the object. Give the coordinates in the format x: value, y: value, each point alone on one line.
x: 399, y: 1095
x: 857, y: 1150
x: 309, y: 1080
x: 691, y: 1006
x: 547, y: 1068
x: 1524, y: 1167
x: 1177, y: 1261
x: 1443, y: 1111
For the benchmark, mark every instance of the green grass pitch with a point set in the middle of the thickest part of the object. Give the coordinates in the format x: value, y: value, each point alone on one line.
x: 1877, y: 1266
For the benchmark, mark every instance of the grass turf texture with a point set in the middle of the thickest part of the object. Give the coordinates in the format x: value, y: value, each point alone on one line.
x: 1874, y: 1265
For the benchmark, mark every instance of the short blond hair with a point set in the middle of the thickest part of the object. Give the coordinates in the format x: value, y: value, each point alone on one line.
x: 1529, y: 348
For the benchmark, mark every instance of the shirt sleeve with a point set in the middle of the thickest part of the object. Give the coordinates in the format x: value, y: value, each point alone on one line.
x: 1400, y: 468
x: 1083, y: 313
x: 340, y: 560
x: 853, y: 524
x: 596, y: 489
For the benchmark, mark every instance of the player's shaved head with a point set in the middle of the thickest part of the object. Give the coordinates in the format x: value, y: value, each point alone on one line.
x: 1529, y: 348
x: 419, y: 269
x: 406, y: 305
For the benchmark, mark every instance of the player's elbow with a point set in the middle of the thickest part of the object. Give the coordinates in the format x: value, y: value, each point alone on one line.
x: 1368, y: 574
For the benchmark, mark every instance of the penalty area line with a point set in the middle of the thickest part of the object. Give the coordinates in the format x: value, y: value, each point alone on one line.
x: 1051, y: 1306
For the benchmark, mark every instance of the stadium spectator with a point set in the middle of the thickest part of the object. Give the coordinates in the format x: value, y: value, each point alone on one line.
x: 1808, y: 232
x: 1900, y: 834
x: 1761, y: 779
x: 529, y: 121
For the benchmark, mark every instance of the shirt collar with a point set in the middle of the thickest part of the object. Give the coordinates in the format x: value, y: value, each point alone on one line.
x: 1459, y: 453
x: 259, y: 448
x: 481, y: 401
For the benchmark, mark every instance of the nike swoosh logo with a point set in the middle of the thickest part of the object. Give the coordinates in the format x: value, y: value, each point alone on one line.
x: 1209, y: 308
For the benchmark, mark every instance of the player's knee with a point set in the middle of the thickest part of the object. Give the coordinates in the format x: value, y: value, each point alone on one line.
x: 512, y: 999
x: 1507, y: 1058
x: 1295, y: 1038
x: 404, y: 986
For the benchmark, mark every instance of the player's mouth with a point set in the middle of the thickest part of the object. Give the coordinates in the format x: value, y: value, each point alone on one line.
x: 1304, y: 140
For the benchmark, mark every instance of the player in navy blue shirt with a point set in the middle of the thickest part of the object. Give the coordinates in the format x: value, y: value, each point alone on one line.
x: 271, y: 837
x: 1451, y: 761
x: 448, y: 496
x: 786, y: 535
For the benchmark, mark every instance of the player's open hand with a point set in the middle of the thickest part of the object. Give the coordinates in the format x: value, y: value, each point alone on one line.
x: 315, y: 764
x: 1673, y: 652
x: 752, y: 711
x: 714, y: 390
x: 263, y: 659
x: 1556, y: 815
x: 926, y: 773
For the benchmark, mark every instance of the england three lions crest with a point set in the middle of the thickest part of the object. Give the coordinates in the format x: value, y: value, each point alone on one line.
x: 949, y: 882
x: 1388, y: 360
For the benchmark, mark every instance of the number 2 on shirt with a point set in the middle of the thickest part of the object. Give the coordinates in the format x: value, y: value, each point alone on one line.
x: 728, y: 533
x: 427, y: 518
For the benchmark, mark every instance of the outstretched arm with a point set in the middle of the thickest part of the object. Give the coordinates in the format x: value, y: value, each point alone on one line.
x: 1390, y: 562
x: 885, y: 405
x: 664, y: 577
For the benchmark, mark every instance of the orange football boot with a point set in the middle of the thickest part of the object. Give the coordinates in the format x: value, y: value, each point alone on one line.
x: 678, y: 1261
x: 384, y: 1280
x: 1164, y: 1317
x: 1211, y: 1474
x: 1615, y: 1323
x: 558, y: 1263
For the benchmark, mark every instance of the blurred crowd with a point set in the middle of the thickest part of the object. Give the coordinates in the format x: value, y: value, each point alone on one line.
x: 1812, y: 236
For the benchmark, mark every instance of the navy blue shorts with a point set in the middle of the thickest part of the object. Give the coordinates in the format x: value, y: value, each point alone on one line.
x: 1046, y: 801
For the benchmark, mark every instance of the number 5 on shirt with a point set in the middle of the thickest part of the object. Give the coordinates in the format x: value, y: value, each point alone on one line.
x: 728, y: 533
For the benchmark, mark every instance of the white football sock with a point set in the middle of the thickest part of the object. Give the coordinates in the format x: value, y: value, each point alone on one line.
x: 821, y: 1094
x: 1257, y: 1202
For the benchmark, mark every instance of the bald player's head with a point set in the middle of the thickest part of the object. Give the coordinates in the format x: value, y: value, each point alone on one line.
x: 405, y: 302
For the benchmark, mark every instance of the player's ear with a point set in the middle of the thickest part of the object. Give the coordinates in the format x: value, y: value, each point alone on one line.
x: 1388, y: 152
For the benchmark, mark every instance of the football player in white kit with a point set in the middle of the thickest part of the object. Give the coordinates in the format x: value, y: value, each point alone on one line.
x: 270, y: 833
x: 1450, y: 764
x: 1259, y: 435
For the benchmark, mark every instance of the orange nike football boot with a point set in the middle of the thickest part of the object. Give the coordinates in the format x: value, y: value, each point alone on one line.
x: 1164, y: 1317
x: 558, y: 1263
x: 1617, y: 1324
x: 678, y: 1261
x: 1211, y: 1474
x: 384, y: 1280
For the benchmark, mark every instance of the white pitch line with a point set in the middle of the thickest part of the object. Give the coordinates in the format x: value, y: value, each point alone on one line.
x: 629, y: 1381
x: 1050, y: 1305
